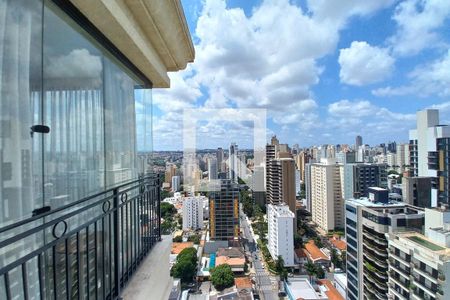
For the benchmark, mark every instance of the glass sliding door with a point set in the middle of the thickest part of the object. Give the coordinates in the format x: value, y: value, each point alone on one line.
x: 73, y: 109
x: 20, y: 150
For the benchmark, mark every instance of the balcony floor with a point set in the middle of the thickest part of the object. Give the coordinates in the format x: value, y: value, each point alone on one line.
x: 152, y: 279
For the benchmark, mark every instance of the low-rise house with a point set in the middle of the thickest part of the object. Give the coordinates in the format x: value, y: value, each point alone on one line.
x: 315, y: 254
x: 338, y: 243
x: 300, y: 288
x: 331, y: 292
x: 300, y: 256
x: 237, y: 264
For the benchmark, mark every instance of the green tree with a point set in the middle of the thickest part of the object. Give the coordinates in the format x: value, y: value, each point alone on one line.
x: 194, y: 238
x: 247, y: 203
x: 302, y: 193
x: 167, y: 210
x: 185, y: 266
x: 318, y: 242
x: 168, y: 226
x: 335, y: 259
x: 344, y: 259
x: 320, y: 273
x: 311, y: 269
x: 298, y: 241
x: 184, y: 269
x: 165, y: 194
x: 177, y: 239
x: 280, y: 269
x: 188, y: 253
x: 222, y: 277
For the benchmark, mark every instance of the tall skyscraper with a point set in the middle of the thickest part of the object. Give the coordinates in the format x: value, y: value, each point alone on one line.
x: 429, y: 154
x: 171, y: 171
x: 233, y: 162
x: 308, y: 187
x: 224, y: 211
x: 417, y: 191
x: 347, y: 157
x: 358, y: 142
x: 402, y: 159
x: 360, y: 176
x: 274, y: 141
x: 301, y: 160
x: 281, y: 182
x: 280, y: 233
x: 327, y: 204
x: 175, y: 183
x: 367, y: 222
x: 212, y: 168
x: 219, y: 155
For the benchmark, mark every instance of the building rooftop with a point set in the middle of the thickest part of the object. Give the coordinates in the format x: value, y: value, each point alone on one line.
x: 178, y: 247
x: 331, y: 292
x: 231, y: 261
x: 338, y: 243
x: 313, y: 252
x: 282, y: 210
x: 419, y: 241
x: 364, y: 201
x: 243, y: 282
x: 231, y: 252
x: 300, y: 253
x: 423, y: 242
x: 300, y: 288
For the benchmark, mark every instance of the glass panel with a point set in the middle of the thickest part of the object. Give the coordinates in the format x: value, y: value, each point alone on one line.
x: 20, y: 151
x: 143, y: 106
x: 120, y: 125
x: 20, y: 90
x: 73, y: 109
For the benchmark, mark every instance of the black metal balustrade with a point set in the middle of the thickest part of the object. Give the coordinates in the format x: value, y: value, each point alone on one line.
x: 84, y: 250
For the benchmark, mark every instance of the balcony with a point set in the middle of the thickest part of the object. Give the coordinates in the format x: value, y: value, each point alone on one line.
x: 426, y: 274
x: 392, y: 290
x: 86, y: 249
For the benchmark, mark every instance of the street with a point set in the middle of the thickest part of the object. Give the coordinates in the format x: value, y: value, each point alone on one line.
x: 262, y: 277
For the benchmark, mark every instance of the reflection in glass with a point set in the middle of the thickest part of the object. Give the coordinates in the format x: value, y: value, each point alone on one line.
x: 20, y: 152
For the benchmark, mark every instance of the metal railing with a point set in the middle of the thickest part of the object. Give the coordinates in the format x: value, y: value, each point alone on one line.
x: 87, y: 249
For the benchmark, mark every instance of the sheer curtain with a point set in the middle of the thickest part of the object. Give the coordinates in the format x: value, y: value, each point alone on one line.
x: 20, y: 153
x: 20, y: 37
x: 120, y: 125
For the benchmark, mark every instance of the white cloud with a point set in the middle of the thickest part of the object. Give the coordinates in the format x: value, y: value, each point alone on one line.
x: 426, y: 80
x: 417, y: 22
x: 363, y: 64
x: 269, y: 59
x: 79, y: 63
x: 183, y: 92
x: 261, y: 60
x: 368, y: 119
x: 339, y: 11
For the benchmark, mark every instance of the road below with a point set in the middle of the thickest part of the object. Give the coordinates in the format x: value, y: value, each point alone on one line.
x: 262, y: 278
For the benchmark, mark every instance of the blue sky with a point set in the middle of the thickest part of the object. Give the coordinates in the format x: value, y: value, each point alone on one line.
x: 324, y: 70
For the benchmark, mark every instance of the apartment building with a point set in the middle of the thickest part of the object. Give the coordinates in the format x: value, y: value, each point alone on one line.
x: 327, y: 204
x: 417, y: 191
x: 429, y: 154
x: 368, y: 220
x: 193, y: 212
x: 224, y: 211
x: 281, y: 182
x: 359, y: 177
x: 280, y: 232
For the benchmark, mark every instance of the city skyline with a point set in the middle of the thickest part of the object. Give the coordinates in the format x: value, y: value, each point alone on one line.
x: 359, y: 70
